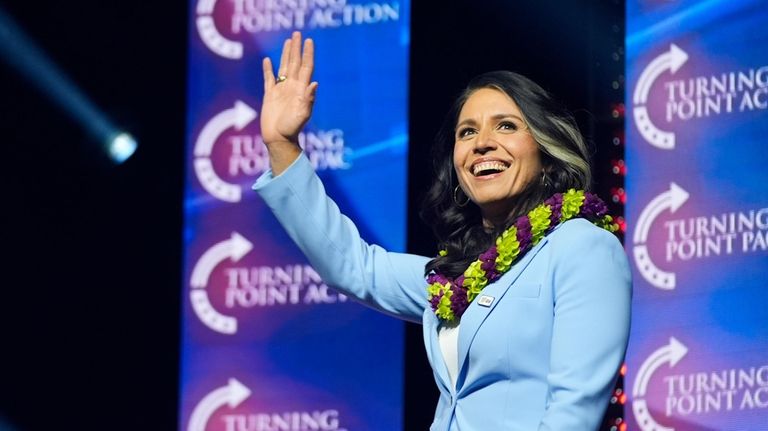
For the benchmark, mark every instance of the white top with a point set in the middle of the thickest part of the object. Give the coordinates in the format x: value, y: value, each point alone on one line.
x: 448, y: 337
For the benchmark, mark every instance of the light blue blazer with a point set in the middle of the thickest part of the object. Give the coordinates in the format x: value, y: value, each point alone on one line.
x: 543, y: 355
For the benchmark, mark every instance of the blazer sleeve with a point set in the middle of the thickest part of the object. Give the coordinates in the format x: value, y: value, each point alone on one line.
x: 592, y: 293
x: 390, y: 282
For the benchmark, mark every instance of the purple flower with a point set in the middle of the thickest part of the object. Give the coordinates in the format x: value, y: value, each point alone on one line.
x: 524, y: 236
x: 556, y: 205
x: 435, y: 301
x: 492, y: 274
x: 459, y: 301
x: 593, y: 207
x: 437, y: 278
x: 488, y: 259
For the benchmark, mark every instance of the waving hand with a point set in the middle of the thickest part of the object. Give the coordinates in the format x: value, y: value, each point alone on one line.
x: 288, y: 101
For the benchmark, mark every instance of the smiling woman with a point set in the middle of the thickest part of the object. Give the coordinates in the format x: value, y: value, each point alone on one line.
x: 526, y: 307
x: 505, y: 118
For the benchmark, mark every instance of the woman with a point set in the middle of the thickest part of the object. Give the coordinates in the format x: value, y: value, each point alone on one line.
x: 526, y: 308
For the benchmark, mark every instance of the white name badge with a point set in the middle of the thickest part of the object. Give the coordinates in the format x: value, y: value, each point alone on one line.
x: 485, y: 300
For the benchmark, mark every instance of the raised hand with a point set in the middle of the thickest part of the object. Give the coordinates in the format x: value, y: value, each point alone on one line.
x: 288, y: 101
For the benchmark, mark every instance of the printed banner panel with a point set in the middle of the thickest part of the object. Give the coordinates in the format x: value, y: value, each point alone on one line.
x: 697, y: 148
x: 266, y: 344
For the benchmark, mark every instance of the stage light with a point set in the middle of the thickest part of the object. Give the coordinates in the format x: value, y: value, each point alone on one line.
x: 121, y: 147
x: 618, y: 195
x: 18, y: 50
x: 617, y: 110
x: 618, y: 167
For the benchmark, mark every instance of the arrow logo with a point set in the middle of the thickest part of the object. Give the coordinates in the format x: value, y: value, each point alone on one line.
x: 210, y: 35
x: 672, y: 199
x: 672, y: 61
x: 672, y: 354
x: 237, y: 117
x: 234, y: 249
x: 231, y: 395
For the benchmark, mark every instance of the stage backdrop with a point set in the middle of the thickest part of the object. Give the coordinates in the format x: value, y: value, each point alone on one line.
x: 697, y: 151
x: 266, y: 345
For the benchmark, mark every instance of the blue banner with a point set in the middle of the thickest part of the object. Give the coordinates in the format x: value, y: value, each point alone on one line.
x: 266, y: 344
x: 697, y: 147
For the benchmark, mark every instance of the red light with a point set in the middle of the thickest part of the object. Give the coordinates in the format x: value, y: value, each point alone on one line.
x: 623, y: 399
x: 618, y: 195
x: 623, y: 369
x: 623, y: 229
x: 617, y: 110
x: 623, y: 427
x: 618, y: 167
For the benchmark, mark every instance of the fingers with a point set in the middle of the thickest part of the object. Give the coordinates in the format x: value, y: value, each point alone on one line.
x: 294, y: 60
x: 307, y: 61
x: 284, y: 57
x: 311, y: 92
x: 269, y: 77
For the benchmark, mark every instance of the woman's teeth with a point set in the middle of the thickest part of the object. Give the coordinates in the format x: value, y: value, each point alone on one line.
x: 486, y: 168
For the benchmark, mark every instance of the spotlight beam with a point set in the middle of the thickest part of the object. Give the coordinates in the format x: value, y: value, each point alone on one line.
x: 20, y: 52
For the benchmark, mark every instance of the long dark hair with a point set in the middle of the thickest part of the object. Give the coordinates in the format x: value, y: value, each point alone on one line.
x: 564, y: 156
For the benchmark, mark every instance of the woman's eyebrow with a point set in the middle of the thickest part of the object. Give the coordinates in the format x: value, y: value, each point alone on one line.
x: 503, y: 116
x: 496, y: 117
x: 467, y: 121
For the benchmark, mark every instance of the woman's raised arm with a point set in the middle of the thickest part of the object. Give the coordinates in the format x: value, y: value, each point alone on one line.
x: 390, y: 282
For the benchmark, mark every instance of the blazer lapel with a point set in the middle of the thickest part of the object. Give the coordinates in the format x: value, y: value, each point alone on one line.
x: 430, y: 327
x: 476, y: 314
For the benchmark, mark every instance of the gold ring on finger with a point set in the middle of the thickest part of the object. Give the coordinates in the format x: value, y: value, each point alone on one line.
x: 281, y: 78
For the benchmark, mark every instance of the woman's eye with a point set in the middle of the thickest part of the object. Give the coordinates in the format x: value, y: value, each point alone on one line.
x: 506, y: 125
x: 465, y: 132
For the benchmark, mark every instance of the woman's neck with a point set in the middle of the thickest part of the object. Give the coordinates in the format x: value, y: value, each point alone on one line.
x: 496, y: 216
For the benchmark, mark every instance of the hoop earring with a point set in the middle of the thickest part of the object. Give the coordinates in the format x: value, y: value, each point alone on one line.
x: 456, y: 198
x: 544, y: 179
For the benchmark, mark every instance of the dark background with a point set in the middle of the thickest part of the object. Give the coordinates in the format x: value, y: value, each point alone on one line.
x: 90, y: 295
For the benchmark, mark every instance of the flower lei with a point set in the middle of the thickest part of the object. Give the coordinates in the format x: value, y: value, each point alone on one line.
x: 450, y: 298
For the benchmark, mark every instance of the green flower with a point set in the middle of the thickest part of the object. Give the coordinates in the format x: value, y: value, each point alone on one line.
x: 474, y: 279
x: 539, y: 218
x: 607, y: 224
x: 508, y: 248
x: 435, y: 289
x: 444, y: 307
x: 572, y: 201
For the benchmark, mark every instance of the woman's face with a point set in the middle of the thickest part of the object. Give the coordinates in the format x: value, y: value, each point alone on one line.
x: 494, y: 155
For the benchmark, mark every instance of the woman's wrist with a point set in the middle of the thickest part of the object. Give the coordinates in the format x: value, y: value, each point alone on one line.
x: 282, y: 154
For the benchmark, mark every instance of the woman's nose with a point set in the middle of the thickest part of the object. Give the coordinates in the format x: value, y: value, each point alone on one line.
x: 485, y: 141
